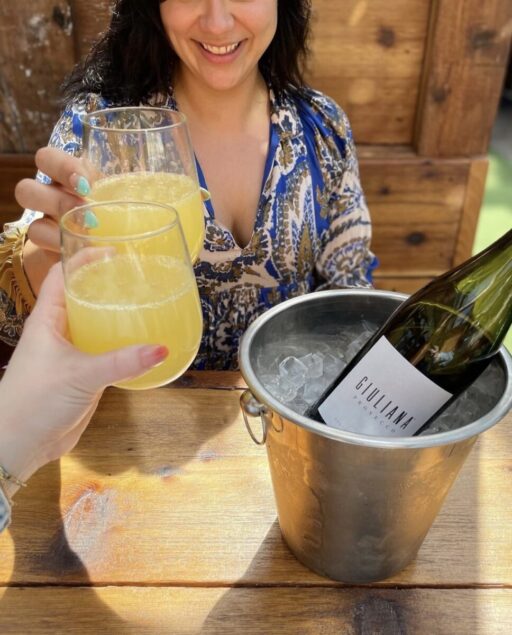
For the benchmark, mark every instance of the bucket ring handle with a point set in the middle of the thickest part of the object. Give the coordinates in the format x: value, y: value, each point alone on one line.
x: 251, y: 407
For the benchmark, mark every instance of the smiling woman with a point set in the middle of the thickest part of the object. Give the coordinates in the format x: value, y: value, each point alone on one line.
x: 286, y: 215
x: 133, y: 60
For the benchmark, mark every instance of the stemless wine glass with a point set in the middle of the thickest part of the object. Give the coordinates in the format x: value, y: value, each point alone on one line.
x: 144, y: 153
x: 129, y: 280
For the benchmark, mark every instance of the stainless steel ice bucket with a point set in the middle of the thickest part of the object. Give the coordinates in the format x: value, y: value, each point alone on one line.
x: 351, y: 507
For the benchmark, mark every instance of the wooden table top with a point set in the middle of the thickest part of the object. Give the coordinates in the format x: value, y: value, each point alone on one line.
x: 162, y: 520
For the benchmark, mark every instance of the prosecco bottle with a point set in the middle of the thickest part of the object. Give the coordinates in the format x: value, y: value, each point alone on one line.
x: 433, y: 346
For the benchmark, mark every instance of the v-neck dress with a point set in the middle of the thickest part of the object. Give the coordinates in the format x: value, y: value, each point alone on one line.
x: 312, y: 228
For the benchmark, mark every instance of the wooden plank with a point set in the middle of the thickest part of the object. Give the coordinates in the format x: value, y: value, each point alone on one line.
x: 402, y: 284
x: 36, y: 48
x: 369, y: 59
x: 154, y: 611
x: 415, y: 208
x: 90, y: 18
x: 469, y: 43
x: 166, y: 487
x: 223, y: 379
x: 471, y: 210
x: 13, y: 168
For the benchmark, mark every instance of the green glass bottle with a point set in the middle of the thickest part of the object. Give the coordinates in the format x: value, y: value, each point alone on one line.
x: 431, y: 348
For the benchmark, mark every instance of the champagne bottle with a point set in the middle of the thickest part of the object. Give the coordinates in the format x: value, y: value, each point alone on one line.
x: 433, y: 346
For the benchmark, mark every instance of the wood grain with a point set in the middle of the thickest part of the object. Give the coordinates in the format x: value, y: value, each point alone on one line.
x: 468, y: 50
x: 471, y: 210
x: 36, y: 49
x: 13, y: 168
x: 90, y: 19
x: 166, y: 488
x: 369, y: 59
x: 403, y: 284
x: 416, y: 209
x: 176, y: 611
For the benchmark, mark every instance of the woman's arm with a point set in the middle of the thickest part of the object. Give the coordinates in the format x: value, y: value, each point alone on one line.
x: 345, y: 258
x: 30, y: 246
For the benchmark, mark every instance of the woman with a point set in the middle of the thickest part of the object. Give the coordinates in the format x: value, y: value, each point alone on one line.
x: 65, y: 387
x: 287, y: 214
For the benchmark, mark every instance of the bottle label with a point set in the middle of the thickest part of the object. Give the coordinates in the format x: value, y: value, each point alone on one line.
x: 383, y: 395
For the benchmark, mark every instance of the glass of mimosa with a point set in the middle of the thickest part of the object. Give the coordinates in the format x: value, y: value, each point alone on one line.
x: 145, y: 154
x: 129, y: 280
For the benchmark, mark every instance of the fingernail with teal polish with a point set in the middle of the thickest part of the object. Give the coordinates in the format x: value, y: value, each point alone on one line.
x: 90, y: 220
x: 82, y: 187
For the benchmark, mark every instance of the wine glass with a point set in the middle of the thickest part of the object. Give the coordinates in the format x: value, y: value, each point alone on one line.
x: 144, y: 154
x: 129, y: 280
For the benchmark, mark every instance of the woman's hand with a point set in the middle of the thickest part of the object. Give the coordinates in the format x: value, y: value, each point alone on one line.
x: 70, y: 183
x: 50, y: 389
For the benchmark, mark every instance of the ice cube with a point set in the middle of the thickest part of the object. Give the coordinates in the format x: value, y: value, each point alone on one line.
x: 294, y: 371
x: 332, y: 366
x: 314, y: 364
x: 356, y: 345
x: 313, y: 389
x: 287, y: 390
x: 270, y: 382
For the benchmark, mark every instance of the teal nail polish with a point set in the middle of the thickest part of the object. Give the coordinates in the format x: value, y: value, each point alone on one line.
x: 82, y: 187
x: 90, y: 220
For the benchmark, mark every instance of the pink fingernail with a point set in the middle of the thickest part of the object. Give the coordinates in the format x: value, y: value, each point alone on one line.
x: 153, y: 355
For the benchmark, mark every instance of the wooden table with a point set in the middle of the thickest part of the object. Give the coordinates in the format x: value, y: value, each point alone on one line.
x: 163, y: 521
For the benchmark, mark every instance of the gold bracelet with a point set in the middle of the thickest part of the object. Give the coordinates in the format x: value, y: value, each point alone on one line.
x: 9, y: 478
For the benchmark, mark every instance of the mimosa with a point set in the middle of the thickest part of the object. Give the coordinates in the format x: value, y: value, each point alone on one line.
x: 178, y: 190
x: 124, y: 300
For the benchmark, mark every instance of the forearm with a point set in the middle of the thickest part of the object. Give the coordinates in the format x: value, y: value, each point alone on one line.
x: 18, y: 456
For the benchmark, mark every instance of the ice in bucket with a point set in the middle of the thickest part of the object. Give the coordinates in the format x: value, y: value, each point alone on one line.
x: 298, y: 380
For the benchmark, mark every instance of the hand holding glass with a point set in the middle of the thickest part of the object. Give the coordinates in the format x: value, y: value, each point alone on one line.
x: 129, y: 280
x: 145, y: 154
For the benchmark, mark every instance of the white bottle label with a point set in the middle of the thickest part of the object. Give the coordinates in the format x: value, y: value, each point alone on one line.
x: 383, y: 395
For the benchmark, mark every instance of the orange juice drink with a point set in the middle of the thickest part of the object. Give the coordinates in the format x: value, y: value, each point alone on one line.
x: 178, y: 190
x: 121, y: 300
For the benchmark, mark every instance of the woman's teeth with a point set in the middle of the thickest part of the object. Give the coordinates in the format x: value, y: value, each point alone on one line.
x: 220, y: 50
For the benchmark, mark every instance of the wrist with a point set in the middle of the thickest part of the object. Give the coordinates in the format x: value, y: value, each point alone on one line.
x: 9, y: 485
x: 17, y: 457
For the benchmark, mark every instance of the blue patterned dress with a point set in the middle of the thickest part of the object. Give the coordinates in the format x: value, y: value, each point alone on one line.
x: 312, y: 229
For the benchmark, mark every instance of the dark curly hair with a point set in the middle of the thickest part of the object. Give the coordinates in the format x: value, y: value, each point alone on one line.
x: 134, y: 59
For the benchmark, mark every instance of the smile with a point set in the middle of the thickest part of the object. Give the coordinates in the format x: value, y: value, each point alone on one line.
x: 220, y: 50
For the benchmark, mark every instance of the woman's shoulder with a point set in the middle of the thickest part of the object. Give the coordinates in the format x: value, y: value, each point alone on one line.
x: 324, y: 114
x: 87, y: 102
x: 69, y: 128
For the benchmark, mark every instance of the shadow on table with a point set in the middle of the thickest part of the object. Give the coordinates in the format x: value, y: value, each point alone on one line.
x: 272, y: 595
x: 156, y: 433
x: 59, y: 561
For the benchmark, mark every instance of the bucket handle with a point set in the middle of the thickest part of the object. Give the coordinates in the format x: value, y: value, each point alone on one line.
x: 252, y: 408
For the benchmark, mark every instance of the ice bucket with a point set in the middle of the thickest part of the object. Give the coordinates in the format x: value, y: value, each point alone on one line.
x: 351, y: 507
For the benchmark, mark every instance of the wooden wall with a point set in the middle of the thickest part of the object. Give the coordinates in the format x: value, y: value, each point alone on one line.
x: 419, y: 79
